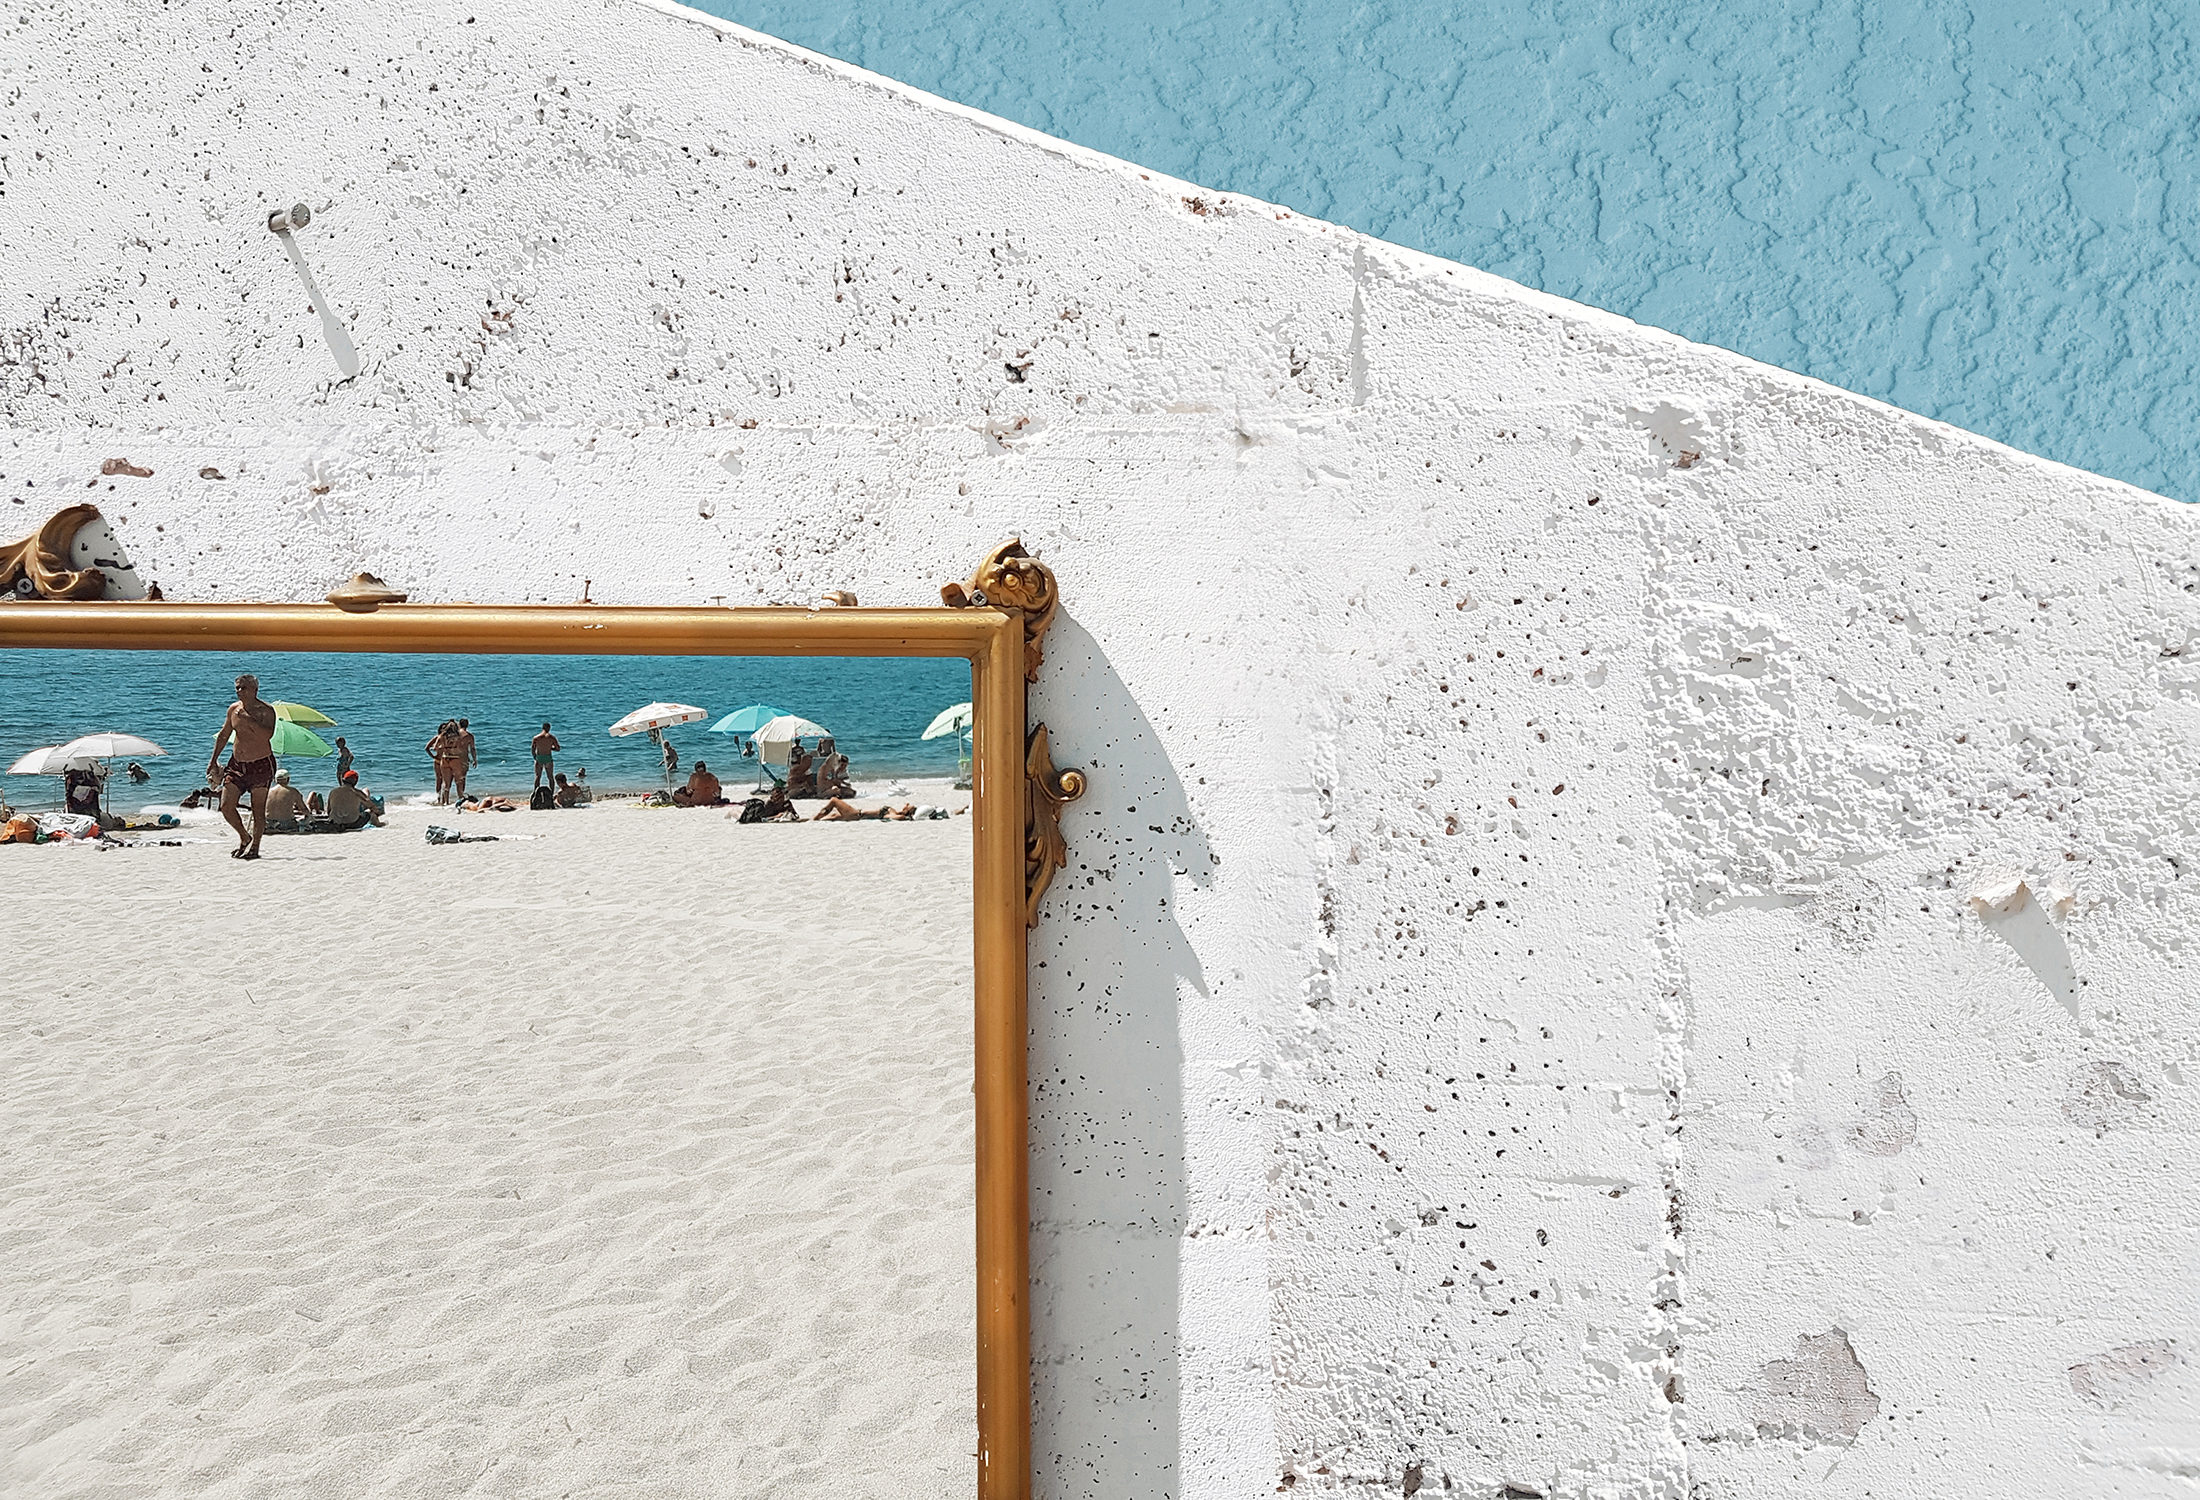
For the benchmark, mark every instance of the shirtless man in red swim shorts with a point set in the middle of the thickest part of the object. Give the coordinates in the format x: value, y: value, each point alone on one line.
x: 250, y: 723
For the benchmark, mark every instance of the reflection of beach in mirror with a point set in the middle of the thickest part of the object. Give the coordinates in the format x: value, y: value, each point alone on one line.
x: 620, y: 1143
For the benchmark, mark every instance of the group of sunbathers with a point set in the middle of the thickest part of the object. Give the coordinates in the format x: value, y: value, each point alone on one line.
x: 823, y: 774
x: 347, y: 806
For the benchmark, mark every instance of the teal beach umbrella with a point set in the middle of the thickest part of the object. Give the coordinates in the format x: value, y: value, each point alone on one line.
x: 747, y: 720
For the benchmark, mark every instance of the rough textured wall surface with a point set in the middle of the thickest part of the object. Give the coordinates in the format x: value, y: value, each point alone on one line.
x: 1979, y: 212
x: 1630, y: 933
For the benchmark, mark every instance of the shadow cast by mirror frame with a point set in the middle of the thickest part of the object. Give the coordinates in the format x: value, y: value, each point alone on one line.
x: 1111, y: 969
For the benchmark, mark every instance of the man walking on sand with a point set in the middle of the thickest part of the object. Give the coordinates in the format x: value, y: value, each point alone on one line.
x: 249, y: 730
x: 545, y: 746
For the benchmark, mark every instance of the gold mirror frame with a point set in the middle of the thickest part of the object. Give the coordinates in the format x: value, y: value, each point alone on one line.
x: 994, y: 620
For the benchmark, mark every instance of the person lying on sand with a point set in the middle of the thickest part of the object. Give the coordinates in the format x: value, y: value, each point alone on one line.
x: 841, y: 810
x: 350, y: 806
x: 486, y: 804
x: 702, y: 789
x: 249, y: 730
x: 286, y: 806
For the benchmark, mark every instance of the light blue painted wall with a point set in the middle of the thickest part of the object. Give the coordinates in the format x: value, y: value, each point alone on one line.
x: 1986, y: 213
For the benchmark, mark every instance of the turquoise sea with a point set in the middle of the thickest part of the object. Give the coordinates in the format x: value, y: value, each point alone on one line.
x: 387, y: 706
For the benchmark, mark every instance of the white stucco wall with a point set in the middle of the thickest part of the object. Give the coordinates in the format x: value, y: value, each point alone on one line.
x: 1517, y: 994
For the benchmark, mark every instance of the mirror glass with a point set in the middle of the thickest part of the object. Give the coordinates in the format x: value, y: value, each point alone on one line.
x: 542, y: 1112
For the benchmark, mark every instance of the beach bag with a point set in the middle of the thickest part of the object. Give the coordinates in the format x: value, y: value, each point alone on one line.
x: 752, y: 811
x: 542, y: 800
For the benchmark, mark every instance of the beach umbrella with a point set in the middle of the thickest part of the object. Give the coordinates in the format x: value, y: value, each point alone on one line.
x: 296, y: 739
x: 747, y: 720
x: 788, y: 728
x: 46, y: 760
x: 778, y: 734
x: 954, y: 721
x: 657, y: 716
x: 950, y: 721
x: 298, y: 713
x: 109, y: 746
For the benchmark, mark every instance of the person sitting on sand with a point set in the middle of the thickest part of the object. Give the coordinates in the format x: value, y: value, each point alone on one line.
x: 350, y: 806
x: 570, y: 793
x: 801, y: 771
x: 841, y: 810
x: 249, y: 731
x: 80, y: 793
x: 702, y: 789
x: 768, y: 809
x: 286, y: 806
x: 545, y: 746
x: 832, y: 771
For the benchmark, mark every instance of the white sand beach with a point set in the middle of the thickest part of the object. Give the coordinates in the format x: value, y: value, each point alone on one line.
x: 631, y: 1157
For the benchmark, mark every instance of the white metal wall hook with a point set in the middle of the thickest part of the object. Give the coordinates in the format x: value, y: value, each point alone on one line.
x: 283, y: 221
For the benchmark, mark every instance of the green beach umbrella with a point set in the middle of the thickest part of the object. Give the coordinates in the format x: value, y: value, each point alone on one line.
x: 298, y: 713
x: 295, y: 739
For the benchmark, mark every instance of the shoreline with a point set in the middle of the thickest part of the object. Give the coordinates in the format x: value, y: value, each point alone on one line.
x: 420, y: 807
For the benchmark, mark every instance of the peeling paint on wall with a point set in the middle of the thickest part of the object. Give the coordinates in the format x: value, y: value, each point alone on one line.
x: 1821, y: 1394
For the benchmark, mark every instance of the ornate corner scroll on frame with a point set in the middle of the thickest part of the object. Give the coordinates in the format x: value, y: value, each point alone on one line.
x: 1011, y: 578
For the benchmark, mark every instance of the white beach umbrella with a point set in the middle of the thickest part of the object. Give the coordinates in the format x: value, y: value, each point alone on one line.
x: 657, y: 716
x: 950, y: 721
x: 110, y: 746
x: 778, y: 734
x: 47, y: 760
x: 955, y: 721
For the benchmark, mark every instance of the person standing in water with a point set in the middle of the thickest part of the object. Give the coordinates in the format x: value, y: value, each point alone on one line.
x: 469, y: 757
x: 343, y: 757
x: 545, y: 746
x: 249, y: 730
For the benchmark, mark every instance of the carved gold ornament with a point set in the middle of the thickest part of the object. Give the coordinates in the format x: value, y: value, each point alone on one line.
x: 364, y: 595
x: 1050, y: 790
x: 43, y: 558
x: 1011, y: 578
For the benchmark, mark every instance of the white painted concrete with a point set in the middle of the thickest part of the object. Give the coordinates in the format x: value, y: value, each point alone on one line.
x: 1518, y: 993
